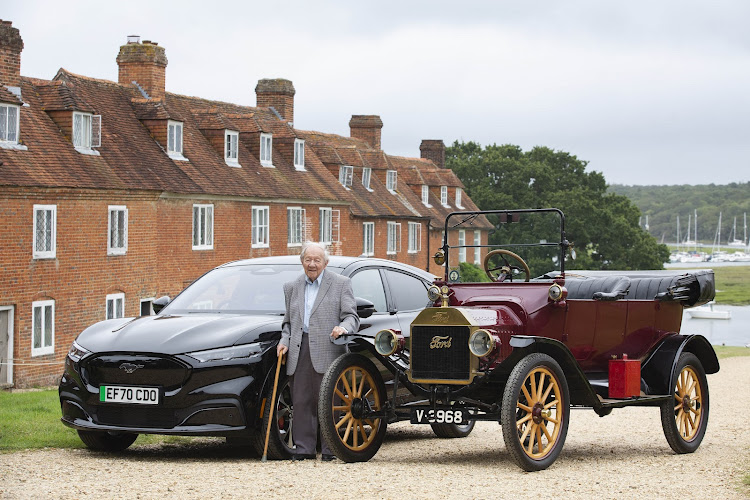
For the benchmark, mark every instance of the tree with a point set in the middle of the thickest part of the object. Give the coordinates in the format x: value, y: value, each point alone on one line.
x: 602, y: 226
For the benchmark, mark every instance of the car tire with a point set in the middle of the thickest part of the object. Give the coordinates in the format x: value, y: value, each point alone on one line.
x: 107, y: 441
x: 684, y: 434
x: 535, y: 422
x: 280, y: 441
x: 448, y: 431
x: 349, y: 436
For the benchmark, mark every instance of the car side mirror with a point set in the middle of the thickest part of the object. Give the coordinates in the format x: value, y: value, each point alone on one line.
x: 160, y: 303
x: 365, y: 308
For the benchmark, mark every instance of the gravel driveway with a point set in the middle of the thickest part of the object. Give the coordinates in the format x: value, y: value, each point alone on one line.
x: 623, y: 455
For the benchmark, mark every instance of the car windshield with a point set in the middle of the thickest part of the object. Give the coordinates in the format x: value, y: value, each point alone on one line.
x: 532, y: 235
x: 238, y: 289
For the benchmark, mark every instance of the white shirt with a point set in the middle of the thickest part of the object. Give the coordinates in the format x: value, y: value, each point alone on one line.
x: 311, y: 293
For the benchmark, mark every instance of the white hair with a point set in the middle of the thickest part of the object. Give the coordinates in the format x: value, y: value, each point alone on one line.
x: 312, y: 244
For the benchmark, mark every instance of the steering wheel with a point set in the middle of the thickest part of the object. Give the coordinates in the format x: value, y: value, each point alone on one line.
x: 500, y: 274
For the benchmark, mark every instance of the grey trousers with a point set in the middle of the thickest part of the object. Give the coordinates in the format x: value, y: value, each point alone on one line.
x: 305, y: 385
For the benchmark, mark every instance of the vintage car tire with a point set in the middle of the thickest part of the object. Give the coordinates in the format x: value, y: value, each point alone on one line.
x: 339, y: 424
x: 521, y: 441
x: 280, y: 444
x: 107, y: 441
x: 684, y: 434
x: 449, y: 431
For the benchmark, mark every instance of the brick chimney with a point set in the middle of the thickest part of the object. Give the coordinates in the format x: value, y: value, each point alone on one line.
x: 433, y: 150
x: 145, y: 64
x: 11, y: 46
x: 367, y: 128
x: 277, y: 93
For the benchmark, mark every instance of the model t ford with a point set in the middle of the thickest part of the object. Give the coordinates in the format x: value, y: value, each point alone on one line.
x: 524, y: 347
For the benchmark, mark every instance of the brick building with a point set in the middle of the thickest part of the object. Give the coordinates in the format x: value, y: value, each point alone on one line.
x: 115, y: 193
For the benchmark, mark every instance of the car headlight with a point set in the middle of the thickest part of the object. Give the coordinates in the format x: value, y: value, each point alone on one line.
x: 481, y: 343
x: 433, y: 293
x: 386, y: 342
x: 227, y: 353
x: 76, y: 352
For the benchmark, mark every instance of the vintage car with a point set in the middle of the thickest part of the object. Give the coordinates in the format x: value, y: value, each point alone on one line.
x: 204, y: 364
x: 522, y: 350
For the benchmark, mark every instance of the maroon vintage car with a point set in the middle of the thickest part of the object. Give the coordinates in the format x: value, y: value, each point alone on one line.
x: 522, y: 350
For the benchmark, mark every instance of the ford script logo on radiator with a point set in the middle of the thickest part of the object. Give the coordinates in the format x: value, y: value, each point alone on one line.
x: 440, y: 342
x: 130, y: 367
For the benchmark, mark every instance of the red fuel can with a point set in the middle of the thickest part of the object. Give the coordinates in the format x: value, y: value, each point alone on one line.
x: 624, y: 378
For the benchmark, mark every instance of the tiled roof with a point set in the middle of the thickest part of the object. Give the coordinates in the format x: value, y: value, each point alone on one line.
x: 8, y: 97
x: 131, y: 158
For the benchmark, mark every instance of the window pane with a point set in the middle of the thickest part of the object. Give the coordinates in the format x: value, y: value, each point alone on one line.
x: 368, y: 285
x: 409, y: 293
x: 178, y: 138
x: 118, y: 308
x: 170, y: 138
x: 47, y: 326
x: 12, y: 124
x: 110, y: 309
x: 209, y: 225
x: 37, y: 342
x: 196, y: 226
x: 4, y: 123
x: 77, y: 130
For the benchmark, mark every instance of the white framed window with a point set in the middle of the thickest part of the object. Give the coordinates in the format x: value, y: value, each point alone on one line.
x: 368, y: 239
x: 394, y: 238
x: 426, y: 195
x: 296, y: 225
x: 42, y: 327
x: 9, y: 121
x: 45, y: 231
x: 231, y: 142
x: 366, y: 175
x: 147, y: 307
x: 117, y: 241
x: 461, y: 245
x: 346, y: 174
x: 203, y: 227
x: 266, y: 148
x: 444, y: 195
x: 87, y: 132
x: 391, y: 180
x: 326, y: 225
x: 415, y: 237
x: 174, y: 140
x: 299, y: 154
x: 459, y: 195
x: 477, y: 250
x: 260, y: 227
x: 115, y: 305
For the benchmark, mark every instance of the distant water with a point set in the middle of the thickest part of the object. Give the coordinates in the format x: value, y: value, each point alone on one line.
x: 734, y: 331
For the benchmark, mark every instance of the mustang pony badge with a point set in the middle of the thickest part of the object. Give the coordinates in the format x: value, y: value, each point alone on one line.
x: 130, y: 367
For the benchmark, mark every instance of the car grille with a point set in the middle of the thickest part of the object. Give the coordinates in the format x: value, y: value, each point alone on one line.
x: 140, y: 369
x: 440, y: 362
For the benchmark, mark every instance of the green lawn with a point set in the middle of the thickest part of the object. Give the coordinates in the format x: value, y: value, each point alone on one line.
x: 733, y: 285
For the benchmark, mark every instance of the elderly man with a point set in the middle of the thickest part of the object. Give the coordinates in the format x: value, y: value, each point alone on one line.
x: 320, y: 307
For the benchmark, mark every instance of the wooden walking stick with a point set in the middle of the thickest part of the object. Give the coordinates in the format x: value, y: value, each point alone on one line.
x: 272, y: 409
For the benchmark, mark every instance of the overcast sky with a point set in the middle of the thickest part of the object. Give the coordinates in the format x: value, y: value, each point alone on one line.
x: 647, y: 92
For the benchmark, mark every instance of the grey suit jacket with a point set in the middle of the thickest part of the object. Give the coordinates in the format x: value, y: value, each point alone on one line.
x: 334, y: 306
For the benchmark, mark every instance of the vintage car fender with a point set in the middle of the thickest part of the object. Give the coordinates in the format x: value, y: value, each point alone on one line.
x: 581, y: 392
x: 658, y: 370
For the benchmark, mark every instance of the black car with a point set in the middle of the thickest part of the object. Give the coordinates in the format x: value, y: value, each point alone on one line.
x: 204, y: 365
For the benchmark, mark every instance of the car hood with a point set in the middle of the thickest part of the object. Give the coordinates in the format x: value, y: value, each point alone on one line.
x: 178, y: 334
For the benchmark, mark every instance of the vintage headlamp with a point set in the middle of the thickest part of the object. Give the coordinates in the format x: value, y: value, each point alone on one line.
x: 481, y: 343
x: 556, y: 293
x: 439, y: 257
x: 386, y: 342
x: 433, y: 293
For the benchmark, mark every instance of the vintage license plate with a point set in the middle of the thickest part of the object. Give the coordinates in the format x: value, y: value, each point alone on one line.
x: 132, y: 395
x: 439, y: 416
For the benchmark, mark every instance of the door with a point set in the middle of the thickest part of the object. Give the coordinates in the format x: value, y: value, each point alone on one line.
x: 6, y: 345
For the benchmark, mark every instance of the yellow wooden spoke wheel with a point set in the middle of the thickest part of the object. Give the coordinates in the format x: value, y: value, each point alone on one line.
x: 535, y: 412
x: 351, y: 391
x: 684, y: 419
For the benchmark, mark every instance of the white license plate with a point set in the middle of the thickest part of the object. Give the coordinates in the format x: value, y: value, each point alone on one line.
x: 132, y: 395
x: 439, y: 416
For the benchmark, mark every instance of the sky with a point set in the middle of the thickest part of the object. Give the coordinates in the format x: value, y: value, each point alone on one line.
x: 648, y: 93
